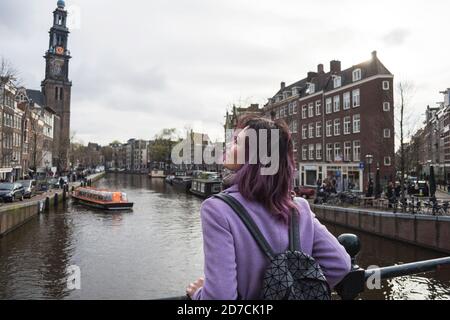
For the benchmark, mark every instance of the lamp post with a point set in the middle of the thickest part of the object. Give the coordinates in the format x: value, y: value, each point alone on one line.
x: 369, y: 160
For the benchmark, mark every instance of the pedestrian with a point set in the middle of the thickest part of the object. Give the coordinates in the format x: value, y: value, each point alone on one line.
x: 61, y: 182
x: 234, y: 265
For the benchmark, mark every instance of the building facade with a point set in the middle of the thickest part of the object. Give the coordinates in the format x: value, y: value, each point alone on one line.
x: 337, y: 118
x: 431, y: 144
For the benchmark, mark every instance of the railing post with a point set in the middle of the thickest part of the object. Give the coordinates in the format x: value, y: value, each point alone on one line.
x: 354, y: 282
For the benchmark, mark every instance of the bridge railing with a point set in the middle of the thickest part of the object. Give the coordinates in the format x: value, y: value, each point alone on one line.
x: 354, y: 282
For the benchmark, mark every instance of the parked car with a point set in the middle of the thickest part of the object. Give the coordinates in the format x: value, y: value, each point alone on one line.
x: 305, y: 192
x: 9, y: 192
x: 53, y: 183
x: 29, y: 186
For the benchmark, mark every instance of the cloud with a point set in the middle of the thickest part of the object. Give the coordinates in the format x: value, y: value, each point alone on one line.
x: 140, y: 66
x: 396, y: 37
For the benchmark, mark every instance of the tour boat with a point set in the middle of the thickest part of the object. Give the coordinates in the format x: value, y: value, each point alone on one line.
x: 102, y: 199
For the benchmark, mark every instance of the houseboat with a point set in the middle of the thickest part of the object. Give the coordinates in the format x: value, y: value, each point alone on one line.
x: 158, y: 174
x: 206, y: 184
x: 102, y: 199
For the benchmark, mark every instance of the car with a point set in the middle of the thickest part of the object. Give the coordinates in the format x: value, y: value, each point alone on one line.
x: 9, y: 192
x: 305, y: 192
x: 29, y: 186
x: 53, y: 183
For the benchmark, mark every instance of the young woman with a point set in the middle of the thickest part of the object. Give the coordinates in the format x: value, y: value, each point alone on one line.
x: 234, y: 264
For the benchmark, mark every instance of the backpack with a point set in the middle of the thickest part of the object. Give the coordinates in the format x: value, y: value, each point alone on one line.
x: 292, y: 275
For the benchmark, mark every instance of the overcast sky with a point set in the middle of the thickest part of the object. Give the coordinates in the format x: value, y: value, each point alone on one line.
x: 140, y: 66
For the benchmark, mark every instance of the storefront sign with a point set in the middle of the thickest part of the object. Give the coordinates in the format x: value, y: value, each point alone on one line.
x: 361, y: 165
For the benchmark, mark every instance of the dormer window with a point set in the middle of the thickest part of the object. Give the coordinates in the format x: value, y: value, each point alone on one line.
x: 294, y: 91
x: 356, y: 75
x: 337, y: 81
x: 311, y: 88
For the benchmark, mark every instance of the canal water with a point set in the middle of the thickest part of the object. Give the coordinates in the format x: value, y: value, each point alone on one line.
x: 153, y: 251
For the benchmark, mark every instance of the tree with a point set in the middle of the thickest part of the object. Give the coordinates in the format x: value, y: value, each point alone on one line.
x: 405, y: 92
x: 160, y: 149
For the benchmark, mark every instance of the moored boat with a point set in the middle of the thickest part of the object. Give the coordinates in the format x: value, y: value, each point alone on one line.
x: 102, y: 199
x: 157, y: 174
x: 182, y: 183
x: 206, y: 184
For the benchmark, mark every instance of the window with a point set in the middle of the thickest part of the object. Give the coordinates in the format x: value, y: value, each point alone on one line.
x: 304, y: 111
x: 329, y: 151
x: 311, y: 130
x: 311, y: 88
x: 304, y: 131
x: 318, y: 107
x: 347, y: 150
x: 304, y: 152
x: 294, y: 146
x: 356, y: 123
x: 318, y: 151
x: 328, y: 106
x: 387, y: 133
x: 337, y: 103
x: 356, y: 151
x: 356, y: 98
x: 277, y: 114
x: 386, y: 106
x: 337, y: 152
x: 385, y: 85
x: 318, y: 129
x: 336, y: 81
x: 311, y: 152
x: 387, y: 161
x: 356, y: 75
x: 346, y: 100
x: 311, y: 110
x: 329, y: 128
x: 291, y: 109
x: 294, y: 126
x: 295, y: 107
x: 347, y: 123
x: 337, y: 127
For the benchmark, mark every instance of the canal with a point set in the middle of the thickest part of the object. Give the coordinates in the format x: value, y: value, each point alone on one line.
x: 153, y: 251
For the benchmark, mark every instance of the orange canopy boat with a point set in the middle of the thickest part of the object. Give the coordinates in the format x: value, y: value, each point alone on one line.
x: 102, y: 199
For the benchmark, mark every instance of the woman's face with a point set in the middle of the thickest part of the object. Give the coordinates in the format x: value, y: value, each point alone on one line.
x: 233, y: 149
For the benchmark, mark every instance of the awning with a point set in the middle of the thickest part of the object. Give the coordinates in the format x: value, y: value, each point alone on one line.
x: 6, y: 170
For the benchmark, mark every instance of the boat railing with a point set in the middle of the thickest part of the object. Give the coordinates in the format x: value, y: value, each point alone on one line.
x: 355, y: 282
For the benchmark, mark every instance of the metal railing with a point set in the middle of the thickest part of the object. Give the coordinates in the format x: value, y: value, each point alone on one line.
x: 354, y: 282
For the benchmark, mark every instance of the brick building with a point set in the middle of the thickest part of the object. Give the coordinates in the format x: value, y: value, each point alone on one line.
x: 337, y: 118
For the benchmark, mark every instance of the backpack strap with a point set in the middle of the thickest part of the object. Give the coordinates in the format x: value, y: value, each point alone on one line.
x: 294, y: 235
x: 239, y: 209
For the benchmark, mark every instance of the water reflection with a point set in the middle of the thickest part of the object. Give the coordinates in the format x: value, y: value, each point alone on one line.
x: 153, y: 251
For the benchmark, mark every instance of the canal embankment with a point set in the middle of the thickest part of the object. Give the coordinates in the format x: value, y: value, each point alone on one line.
x: 431, y: 232
x: 14, y: 215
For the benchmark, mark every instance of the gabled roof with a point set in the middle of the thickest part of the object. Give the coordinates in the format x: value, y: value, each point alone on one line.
x: 323, y: 81
x: 36, y: 96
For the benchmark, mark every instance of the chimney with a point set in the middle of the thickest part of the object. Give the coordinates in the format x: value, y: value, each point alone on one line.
x: 311, y: 75
x: 283, y: 85
x: 320, y: 68
x: 374, y: 54
x: 335, y: 66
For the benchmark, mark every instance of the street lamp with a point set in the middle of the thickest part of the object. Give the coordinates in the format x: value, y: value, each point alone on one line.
x: 369, y: 160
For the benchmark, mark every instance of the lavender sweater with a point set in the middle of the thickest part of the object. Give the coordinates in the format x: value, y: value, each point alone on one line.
x: 234, y: 264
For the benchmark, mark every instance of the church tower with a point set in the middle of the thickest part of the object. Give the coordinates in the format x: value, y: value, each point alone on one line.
x: 56, y: 87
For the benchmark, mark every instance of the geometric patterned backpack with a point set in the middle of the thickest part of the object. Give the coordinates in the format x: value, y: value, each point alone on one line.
x: 292, y: 275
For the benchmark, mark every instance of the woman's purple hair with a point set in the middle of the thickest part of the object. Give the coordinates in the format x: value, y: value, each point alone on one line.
x: 272, y: 191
